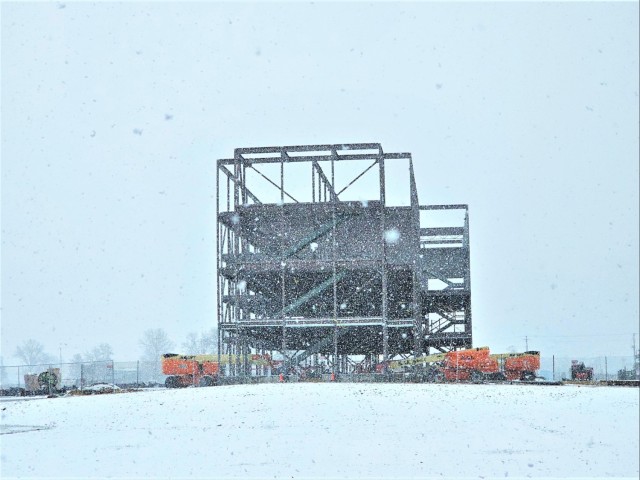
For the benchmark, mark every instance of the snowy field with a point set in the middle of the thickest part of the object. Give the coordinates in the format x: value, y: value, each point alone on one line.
x: 328, y: 430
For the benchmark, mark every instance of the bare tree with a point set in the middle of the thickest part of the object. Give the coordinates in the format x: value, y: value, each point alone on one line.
x: 206, y: 342
x: 191, y: 346
x: 155, y: 342
x: 209, y: 341
x: 31, y: 352
x: 76, y: 368
x: 100, y: 353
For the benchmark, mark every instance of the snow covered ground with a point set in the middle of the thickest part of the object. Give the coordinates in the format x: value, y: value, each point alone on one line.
x: 331, y: 430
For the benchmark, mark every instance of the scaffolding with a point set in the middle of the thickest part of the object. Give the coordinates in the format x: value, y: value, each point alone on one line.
x: 326, y: 256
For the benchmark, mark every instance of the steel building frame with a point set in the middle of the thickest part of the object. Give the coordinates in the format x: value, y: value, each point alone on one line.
x: 324, y: 278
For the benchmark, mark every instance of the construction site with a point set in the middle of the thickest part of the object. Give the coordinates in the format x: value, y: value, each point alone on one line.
x: 329, y: 267
x: 335, y: 279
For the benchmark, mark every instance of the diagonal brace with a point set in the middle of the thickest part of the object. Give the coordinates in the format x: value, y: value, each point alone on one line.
x: 233, y: 179
x: 312, y: 293
x: 334, y: 196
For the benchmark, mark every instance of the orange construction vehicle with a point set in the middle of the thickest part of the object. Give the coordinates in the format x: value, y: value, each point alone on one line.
x: 204, y: 370
x: 186, y: 370
x: 476, y: 365
x: 521, y: 366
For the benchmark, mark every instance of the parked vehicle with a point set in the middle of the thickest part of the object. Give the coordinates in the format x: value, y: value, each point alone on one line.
x: 185, y: 370
x: 580, y: 372
x: 203, y: 370
x: 475, y: 365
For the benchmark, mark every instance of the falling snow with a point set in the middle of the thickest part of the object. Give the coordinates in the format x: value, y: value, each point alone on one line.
x: 392, y: 235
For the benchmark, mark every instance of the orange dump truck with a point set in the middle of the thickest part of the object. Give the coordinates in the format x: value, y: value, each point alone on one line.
x: 185, y: 370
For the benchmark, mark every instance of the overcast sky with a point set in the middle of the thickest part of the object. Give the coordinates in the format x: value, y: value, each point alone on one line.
x: 113, y: 116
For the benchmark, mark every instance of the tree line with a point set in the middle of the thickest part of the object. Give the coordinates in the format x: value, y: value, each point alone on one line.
x: 153, y: 343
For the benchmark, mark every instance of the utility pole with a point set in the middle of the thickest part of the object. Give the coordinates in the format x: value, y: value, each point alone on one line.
x: 60, y: 344
x: 526, y: 344
x: 636, y: 360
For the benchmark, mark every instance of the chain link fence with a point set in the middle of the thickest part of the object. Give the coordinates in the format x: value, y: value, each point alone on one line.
x: 618, y: 367
x: 43, y: 378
